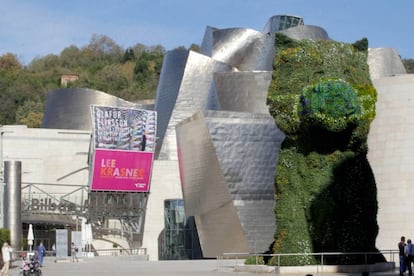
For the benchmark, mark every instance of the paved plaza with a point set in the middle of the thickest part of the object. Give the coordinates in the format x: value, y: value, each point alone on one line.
x: 130, y: 266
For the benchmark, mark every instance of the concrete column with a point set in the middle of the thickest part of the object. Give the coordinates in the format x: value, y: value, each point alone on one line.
x: 12, y: 201
x: 2, y: 196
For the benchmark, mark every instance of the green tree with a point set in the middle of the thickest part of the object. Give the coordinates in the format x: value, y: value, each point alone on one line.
x: 111, y: 79
x: 15, y: 90
x: 103, y: 49
x: 147, y: 71
x: 128, y: 55
x: 71, y: 58
x: 46, y: 63
x: 409, y: 65
x: 361, y: 45
x: 30, y: 113
x: 10, y: 63
x: 138, y: 49
x: 195, y: 48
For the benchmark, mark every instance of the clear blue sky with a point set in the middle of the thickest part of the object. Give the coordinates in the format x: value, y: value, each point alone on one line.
x: 35, y: 28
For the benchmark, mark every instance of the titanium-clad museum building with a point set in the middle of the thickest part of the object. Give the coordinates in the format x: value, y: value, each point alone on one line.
x: 212, y: 182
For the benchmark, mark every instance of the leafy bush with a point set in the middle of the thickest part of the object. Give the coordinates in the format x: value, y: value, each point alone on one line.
x: 284, y: 108
x: 361, y: 45
x: 254, y: 260
x: 4, y: 236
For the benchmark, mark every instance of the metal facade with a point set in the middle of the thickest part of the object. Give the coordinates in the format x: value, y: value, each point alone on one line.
x: 168, y: 86
x: 70, y: 108
x: 213, y: 120
x: 245, y: 49
x: 243, y: 91
x: 227, y: 173
x: 306, y: 32
x: 196, y: 92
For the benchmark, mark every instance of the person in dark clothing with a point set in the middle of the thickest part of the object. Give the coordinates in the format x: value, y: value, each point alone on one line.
x: 401, y: 246
x: 143, y: 142
x: 409, y: 253
x: 41, y: 252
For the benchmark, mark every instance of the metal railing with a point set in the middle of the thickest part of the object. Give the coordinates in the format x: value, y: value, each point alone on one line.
x: 18, y: 254
x: 120, y: 252
x: 231, y: 260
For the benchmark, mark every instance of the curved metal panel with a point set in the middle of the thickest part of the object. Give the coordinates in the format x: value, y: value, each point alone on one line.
x: 168, y: 86
x: 200, y: 197
x: 220, y: 231
x: 195, y: 93
x: 247, y: 136
x: 384, y: 62
x: 207, y: 44
x: 70, y: 108
x: 243, y: 91
x: 205, y: 190
x: 306, y: 32
x: 245, y: 49
x: 232, y: 154
x: 241, y: 141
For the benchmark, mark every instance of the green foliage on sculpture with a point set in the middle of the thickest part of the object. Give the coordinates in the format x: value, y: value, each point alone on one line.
x: 284, y: 109
x: 322, y: 98
x: 332, y: 104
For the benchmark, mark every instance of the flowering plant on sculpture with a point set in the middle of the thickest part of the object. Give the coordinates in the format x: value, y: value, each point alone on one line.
x: 330, y: 103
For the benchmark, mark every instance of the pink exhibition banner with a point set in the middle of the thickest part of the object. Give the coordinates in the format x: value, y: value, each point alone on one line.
x: 121, y: 170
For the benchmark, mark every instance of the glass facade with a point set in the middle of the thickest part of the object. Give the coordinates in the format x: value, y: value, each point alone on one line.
x: 174, y: 221
x: 286, y: 22
x: 180, y: 239
x: 282, y: 22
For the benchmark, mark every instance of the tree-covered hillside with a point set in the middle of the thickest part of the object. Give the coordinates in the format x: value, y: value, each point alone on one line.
x: 131, y: 74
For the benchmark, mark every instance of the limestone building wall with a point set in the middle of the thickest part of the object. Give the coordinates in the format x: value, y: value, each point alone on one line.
x: 391, y: 155
x: 54, y: 162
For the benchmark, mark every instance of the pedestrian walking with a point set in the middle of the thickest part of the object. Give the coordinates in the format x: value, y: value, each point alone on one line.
x: 403, y: 258
x: 74, y: 252
x: 409, y: 253
x: 41, y: 252
x: 6, y: 251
